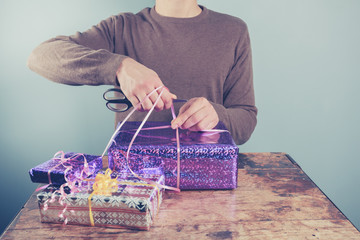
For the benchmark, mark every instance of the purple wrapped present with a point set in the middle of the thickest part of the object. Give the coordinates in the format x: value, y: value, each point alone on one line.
x: 208, y: 159
x: 53, y: 170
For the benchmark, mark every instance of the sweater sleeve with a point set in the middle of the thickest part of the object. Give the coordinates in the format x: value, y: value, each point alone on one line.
x: 238, y: 112
x: 86, y: 58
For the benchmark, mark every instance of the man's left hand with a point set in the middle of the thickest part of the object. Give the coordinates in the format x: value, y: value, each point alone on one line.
x: 197, y: 114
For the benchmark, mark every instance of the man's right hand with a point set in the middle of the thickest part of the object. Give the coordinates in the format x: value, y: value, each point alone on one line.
x: 136, y: 81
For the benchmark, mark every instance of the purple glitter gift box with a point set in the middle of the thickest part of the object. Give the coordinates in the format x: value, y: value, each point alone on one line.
x: 208, y: 159
x: 55, y: 169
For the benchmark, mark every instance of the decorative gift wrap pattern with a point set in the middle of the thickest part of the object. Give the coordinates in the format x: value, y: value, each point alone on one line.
x: 53, y: 170
x: 208, y: 159
x: 134, y: 204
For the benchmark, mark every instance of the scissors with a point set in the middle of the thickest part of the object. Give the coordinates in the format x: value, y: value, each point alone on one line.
x: 117, y: 102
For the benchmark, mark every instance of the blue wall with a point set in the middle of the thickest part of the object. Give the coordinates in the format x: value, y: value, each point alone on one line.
x: 306, y: 67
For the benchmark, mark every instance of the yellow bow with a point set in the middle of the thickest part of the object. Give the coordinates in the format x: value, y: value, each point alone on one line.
x: 103, y: 185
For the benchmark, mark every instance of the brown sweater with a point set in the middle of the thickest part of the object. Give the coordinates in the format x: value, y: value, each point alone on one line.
x: 208, y: 55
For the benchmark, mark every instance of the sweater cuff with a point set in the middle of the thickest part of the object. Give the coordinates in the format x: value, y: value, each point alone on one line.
x: 110, y: 68
x: 222, y: 114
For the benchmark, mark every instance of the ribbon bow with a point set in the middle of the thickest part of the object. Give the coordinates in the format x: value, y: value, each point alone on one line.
x: 103, y: 185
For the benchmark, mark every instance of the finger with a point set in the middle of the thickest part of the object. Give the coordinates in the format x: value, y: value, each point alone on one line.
x: 203, y: 125
x: 135, y: 102
x: 209, y: 121
x: 175, y: 122
x: 167, y: 98
x: 186, y: 106
x: 198, y: 120
x: 186, y: 112
x: 160, y: 104
x: 146, y: 103
x: 167, y: 91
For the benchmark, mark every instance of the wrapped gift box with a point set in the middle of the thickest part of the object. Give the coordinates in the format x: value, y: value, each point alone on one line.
x: 131, y: 206
x: 208, y: 159
x: 55, y: 168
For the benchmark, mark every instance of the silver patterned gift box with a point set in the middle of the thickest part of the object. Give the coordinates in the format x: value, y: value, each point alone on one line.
x: 134, y: 205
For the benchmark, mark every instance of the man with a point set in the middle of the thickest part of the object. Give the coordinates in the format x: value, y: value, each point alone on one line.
x: 196, y: 53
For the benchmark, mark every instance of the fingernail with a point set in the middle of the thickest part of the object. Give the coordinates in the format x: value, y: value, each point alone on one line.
x: 174, y: 124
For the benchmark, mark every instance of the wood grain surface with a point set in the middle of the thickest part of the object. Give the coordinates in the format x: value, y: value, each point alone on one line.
x: 274, y: 199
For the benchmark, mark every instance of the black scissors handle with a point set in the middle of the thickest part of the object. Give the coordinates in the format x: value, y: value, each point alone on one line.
x: 112, y: 101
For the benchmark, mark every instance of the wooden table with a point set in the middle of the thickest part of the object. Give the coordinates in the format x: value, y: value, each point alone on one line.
x: 275, y: 199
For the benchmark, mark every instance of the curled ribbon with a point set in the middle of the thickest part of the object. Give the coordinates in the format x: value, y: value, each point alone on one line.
x: 112, y: 139
x: 103, y: 185
x: 117, y: 131
x: 73, y: 185
x: 60, y: 156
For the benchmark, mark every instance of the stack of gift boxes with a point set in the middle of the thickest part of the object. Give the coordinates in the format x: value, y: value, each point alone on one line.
x: 81, y: 191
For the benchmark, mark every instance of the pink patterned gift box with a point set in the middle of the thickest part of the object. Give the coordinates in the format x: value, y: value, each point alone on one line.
x: 131, y: 206
x: 208, y: 160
